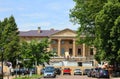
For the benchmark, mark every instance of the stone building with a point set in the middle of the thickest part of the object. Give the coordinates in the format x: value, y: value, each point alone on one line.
x: 63, y: 43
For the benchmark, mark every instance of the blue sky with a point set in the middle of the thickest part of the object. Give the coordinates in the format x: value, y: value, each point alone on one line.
x: 31, y: 14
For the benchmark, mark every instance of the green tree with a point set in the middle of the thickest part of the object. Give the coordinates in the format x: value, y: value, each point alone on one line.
x: 25, y: 55
x: 10, y: 39
x: 84, y: 14
x: 99, y: 19
x: 36, y: 52
x: 39, y: 51
x: 107, y: 32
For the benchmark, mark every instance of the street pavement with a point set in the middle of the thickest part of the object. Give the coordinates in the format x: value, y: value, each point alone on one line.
x: 66, y: 77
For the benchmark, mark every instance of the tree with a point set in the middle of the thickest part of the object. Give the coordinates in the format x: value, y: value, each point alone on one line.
x: 84, y: 14
x: 40, y: 52
x: 107, y: 32
x: 99, y: 19
x: 25, y: 55
x: 36, y: 52
x: 10, y: 39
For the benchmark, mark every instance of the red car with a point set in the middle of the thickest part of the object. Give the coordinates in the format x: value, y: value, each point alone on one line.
x: 67, y: 71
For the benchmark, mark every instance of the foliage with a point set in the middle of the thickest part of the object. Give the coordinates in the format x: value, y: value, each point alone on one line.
x: 84, y: 14
x: 9, y: 39
x: 107, y: 31
x: 35, y: 51
x: 99, y: 19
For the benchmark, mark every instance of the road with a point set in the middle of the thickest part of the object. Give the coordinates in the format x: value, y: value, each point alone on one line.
x: 70, y: 77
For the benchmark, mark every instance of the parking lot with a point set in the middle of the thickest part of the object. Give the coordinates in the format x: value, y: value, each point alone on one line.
x: 74, y: 77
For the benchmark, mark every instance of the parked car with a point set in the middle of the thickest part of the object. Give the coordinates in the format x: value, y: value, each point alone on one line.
x: 0, y: 71
x: 58, y: 71
x: 21, y: 71
x: 42, y: 71
x: 86, y: 71
x: 102, y: 73
x: 116, y: 73
x: 33, y: 70
x: 90, y: 72
x: 77, y: 72
x: 49, y: 72
x: 67, y: 71
x: 93, y: 72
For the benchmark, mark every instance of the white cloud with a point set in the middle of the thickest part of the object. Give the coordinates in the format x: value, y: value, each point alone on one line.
x: 5, y: 9
x: 54, y: 6
x: 31, y: 26
x: 35, y: 15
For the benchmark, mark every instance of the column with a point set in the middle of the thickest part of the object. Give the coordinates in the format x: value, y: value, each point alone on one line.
x: 94, y: 50
x: 84, y: 50
x: 74, y: 48
x: 59, y: 47
x: 50, y: 47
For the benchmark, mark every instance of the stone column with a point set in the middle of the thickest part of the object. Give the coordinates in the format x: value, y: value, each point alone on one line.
x: 59, y: 47
x: 94, y: 50
x: 74, y: 48
x: 84, y: 50
x: 50, y: 47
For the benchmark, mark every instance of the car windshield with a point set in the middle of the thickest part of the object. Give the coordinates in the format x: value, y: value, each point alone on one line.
x: 77, y: 69
x: 49, y: 69
x: 87, y: 69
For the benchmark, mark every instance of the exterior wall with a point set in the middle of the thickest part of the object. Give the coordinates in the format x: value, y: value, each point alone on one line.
x: 61, y: 41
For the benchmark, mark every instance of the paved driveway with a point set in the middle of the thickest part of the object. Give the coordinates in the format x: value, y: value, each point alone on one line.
x: 70, y: 77
x: 76, y: 77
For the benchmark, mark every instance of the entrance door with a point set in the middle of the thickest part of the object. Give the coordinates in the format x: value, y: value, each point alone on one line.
x: 70, y: 51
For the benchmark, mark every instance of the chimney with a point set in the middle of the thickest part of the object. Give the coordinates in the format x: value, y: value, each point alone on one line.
x: 39, y: 29
x: 52, y: 29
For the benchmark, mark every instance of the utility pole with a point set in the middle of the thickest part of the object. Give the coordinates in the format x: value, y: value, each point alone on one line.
x: 2, y: 50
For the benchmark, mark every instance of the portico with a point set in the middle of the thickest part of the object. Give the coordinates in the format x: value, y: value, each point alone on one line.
x: 65, y: 41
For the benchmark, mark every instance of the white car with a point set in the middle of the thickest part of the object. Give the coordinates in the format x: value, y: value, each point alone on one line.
x: 49, y: 72
x: 77, y: 72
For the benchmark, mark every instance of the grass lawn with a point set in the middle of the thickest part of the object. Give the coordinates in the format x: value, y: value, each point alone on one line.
x: 29, y: 77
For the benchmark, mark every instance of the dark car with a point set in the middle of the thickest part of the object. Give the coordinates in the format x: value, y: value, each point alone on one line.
x: 42, y: 71
x: 116, y: 73
x: 93, y: 71
x: 20, y: 71
x: 58, y: 71
x: 102, y: 73
x: 86, y: 71
x: 77, y: 72
x: 33, y: 70
x: 67, y: 71
x: 89, y: 74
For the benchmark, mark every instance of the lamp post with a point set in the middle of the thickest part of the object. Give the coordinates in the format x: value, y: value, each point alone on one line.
x: 2, y: 50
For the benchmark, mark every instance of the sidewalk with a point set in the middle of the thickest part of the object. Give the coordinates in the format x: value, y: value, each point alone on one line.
x: 115, y: 78
x: 9, y: 77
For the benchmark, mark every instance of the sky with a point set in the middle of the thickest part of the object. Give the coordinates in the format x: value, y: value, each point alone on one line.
x: 31, y: 14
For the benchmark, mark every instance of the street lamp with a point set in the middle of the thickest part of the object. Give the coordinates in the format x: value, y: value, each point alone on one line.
x: 2, y: 50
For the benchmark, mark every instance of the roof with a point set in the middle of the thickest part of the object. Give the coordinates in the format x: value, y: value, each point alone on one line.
x: 43, y: 33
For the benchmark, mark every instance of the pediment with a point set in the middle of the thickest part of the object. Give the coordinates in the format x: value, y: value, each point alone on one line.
x: 65, y: 33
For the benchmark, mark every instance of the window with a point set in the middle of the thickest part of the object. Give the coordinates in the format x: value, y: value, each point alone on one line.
x: 54, y: 42
x: 79, y: 51
x: 70, y: 42
x: 55, y: 51
x: 62, y: 42
x: 70, y: 51
x: 62, y: 51
x: 91, y: 51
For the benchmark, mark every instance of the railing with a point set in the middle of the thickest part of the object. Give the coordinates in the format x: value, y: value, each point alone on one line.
x: 80, y: 58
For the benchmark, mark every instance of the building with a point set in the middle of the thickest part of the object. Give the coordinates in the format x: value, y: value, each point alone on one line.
x: 63, y: 43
